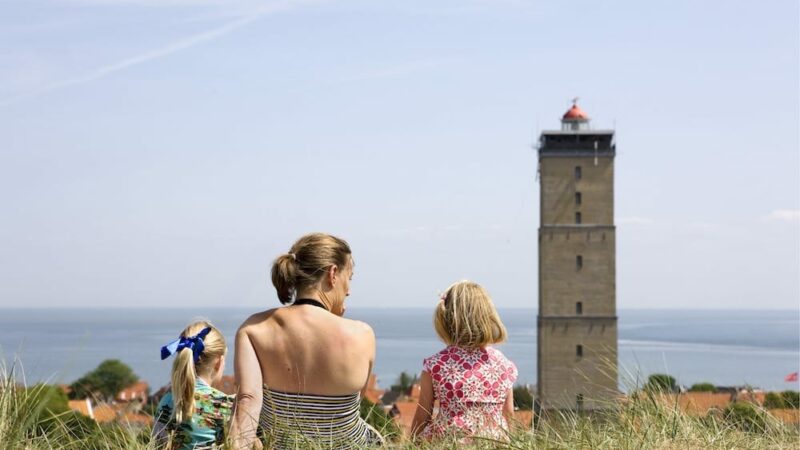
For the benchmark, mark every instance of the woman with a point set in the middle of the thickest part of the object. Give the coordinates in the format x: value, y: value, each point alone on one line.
x: 300, y: 368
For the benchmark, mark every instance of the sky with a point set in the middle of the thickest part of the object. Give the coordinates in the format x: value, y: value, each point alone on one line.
x: 161, y: 153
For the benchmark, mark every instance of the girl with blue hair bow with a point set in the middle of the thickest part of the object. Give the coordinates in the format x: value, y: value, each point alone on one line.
x: 194, y: 414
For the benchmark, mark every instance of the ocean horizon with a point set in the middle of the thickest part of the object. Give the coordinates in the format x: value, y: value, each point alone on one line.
x: 731, y: 348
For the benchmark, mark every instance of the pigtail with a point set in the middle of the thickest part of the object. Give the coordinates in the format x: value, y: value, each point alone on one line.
x: 183, y: 380
x: 284, y: 274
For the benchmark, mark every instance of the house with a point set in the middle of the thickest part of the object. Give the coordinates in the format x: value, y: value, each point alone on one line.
x: 371, y: 391
x: 697, y: 403
x: 523, y: 418
x: 82, y: 406
x: 402, y: 413
x: 124, y: 413
x: 404, y: 408
x: 137, y: 391
x: 790, y: 417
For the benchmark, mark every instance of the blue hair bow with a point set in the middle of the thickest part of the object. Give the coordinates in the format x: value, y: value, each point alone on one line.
x: 194, y: 343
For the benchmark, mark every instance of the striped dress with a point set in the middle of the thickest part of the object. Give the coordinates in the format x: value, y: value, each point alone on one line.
x: 290, y: 420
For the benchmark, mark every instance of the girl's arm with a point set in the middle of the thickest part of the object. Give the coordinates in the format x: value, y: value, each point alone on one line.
x: 425, y: 406
x: 508, y: 406
x: 248, y: 399
x: 160, y: 435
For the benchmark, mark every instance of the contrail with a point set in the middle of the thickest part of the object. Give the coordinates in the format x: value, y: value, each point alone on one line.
x: 174, y: 47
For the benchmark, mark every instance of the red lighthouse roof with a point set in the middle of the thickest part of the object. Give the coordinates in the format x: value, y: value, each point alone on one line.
x: 575, y: 113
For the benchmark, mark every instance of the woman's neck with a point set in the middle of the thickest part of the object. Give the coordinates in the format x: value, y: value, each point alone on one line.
x: 315, y: 295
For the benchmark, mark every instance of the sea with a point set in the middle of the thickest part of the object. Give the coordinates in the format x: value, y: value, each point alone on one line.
x: 726, y: 348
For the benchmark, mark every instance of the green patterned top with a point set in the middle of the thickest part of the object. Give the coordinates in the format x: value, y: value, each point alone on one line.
x: 206, y: 426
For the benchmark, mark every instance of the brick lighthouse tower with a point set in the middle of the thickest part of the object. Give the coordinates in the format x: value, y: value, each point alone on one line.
x: 577, y: 322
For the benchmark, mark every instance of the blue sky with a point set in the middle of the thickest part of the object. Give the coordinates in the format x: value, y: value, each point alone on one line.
x: 162, y: 153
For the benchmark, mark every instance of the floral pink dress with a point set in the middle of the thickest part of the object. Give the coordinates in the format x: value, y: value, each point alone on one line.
x: 471, y: 386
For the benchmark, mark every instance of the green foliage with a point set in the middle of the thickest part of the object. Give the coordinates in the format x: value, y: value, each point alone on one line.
x: 791, y: 399
x: 660, y: 382
x: 105, y: 382
x: 746, y: 417
x: 703, y: 387
x: 773, y: 400
x: 68, y: 425
x: 375, y: 416
x: 523, y: 399
x: 404, y: 382
x: 50, y: 399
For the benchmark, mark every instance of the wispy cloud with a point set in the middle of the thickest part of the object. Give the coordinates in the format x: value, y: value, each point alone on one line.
x: 783, y: 215
x: 158, y: 53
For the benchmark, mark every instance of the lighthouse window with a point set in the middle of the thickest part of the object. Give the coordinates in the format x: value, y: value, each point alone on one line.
x: 579, y: 262
x: 578, y: 173
x: 579, y: 351
x: 578, y: 198
x: 578, y: 217
x: 579, y: 308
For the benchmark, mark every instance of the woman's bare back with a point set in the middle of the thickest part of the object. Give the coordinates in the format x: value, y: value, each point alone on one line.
x: 306, y: 349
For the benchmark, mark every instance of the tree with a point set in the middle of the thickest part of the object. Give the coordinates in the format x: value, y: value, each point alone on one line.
x: 105, y: 382
x: 773, y: 400
x: 376, y: 417
x: 404, y: 382
x: 51, y: 415
x: 523, y: 399
x: 791, y: 399
x: 703, y: 387
x: 746, y: 416
x: 660, y: 382
x: 48, y: 400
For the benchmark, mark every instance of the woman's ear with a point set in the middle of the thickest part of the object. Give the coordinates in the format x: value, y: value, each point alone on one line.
x: 332, y: 272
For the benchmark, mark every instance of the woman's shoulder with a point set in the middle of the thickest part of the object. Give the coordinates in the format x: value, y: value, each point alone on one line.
x: 259, y: 318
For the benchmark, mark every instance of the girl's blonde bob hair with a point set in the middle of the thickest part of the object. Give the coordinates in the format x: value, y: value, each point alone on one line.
x: 466, y: 317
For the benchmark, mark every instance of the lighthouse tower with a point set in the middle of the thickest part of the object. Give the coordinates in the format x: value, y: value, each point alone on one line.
x: 577, y: 322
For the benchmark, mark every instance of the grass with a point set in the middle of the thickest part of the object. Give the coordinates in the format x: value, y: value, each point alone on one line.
x: 641, y: 422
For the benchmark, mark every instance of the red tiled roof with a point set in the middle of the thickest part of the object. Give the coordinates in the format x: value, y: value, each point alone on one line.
x: 403, y: 415
x: 787, y: 416
x: 752, y: 397
x: 136, y: 391
x: 136, y: 419
x: 371, y: 392
x: 82, y: 406
x: 104, y: 413
x: 697, y: 403
x: 524, y: 418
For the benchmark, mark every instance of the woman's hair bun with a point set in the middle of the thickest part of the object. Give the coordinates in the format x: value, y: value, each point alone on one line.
x: 304, y: 265
x: 284, y: 273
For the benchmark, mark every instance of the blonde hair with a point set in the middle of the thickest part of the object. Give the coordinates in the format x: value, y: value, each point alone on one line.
x: 306, y: 263
x: 466, y: 317
x: 184, y: 369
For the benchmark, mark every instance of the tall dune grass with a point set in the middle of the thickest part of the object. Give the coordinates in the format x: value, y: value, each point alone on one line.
x: 639, y: 422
